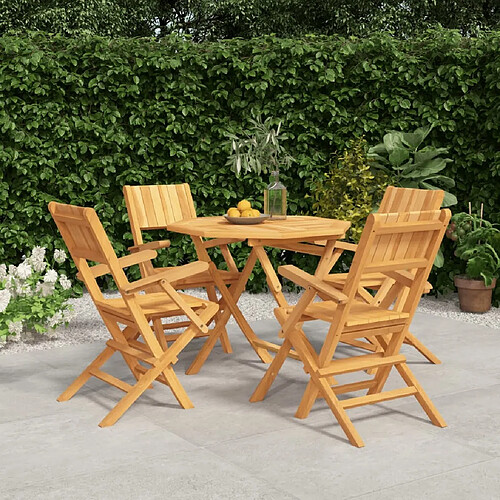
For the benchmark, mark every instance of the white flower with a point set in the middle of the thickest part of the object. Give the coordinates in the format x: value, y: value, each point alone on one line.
x: 3, y: 272
x: 38, y: 253
x: 59, y: 256
x: 50, y: 276
x: 45, y: 289
x: 65, y: 282
x: 55, y: 320
x: 37, y: 259
x: 24, y: 270
x: 11, y: 283
x: 24, y: 290
x: 5, y: 296
x: 15, y: 327
x: 68, y: 315
x: 12, y: 271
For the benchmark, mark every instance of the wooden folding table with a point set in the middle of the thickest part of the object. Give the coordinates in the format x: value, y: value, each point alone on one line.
x: 304, y: 234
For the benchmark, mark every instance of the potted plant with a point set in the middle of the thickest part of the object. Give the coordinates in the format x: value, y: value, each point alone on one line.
x: 260, y: 151
x: 477, y: 243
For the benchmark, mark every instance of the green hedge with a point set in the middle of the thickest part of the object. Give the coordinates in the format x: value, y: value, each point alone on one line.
x: 79, y: 118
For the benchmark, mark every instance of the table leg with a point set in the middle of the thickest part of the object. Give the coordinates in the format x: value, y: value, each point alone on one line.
x: 229, y: 300
x: 271, y: 277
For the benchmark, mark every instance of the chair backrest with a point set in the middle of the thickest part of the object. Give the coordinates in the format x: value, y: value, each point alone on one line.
x: 157, y: 206
x: 398, y: 199
x: 87, y: 241
x: 402, y: 246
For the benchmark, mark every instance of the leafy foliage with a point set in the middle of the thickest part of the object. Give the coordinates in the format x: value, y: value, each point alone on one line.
x: 411, y: 166
x: 259, y: 150
x: 349, y: 190
x: 218, y: 19
x: 81, y: 117
x: 477, y: 243
x: 101, y: 17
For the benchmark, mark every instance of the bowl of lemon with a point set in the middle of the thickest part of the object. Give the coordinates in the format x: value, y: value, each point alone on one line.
x: 243, y: 213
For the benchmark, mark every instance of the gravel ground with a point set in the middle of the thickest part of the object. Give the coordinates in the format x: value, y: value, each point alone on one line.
x: 87, y: 325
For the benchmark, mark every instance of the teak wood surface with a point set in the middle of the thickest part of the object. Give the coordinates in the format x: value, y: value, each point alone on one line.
x: 156, y: 207
x: 297, y: 233
x: 133, y: 316
x: 401, y: 246
x: 395, y: 200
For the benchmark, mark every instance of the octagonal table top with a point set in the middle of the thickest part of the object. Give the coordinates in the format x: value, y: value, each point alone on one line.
x: 294, y: 227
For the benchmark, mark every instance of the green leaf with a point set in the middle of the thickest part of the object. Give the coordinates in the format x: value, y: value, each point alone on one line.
x: 398, y: 156
x: 428, y: 153
x: 330, y: 75
x: 393, y: 140
x: 442, y: 180
x: 439, y: 260
x: 426, y: 169
x: 378, y: 149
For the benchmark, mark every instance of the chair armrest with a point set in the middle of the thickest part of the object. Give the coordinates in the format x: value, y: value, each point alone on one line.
x: 343, y: 245
x: 307, y: 280
x: 127, y: 261
x: 169, y: 275
x: 152, y: 245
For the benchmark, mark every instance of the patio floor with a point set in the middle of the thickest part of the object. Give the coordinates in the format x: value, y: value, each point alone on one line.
x: 227, y: 447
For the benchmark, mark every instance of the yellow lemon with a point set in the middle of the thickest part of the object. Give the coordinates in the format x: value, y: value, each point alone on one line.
x: 255, y: 212
x: 247, y: 213
x: 244, y: 205
x: 233, y: 212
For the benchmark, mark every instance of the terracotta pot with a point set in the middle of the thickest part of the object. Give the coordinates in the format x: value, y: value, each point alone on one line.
x: 473, y: 295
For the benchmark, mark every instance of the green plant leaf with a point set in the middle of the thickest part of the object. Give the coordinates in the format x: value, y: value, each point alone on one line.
x: 426, y: 169
x: 428, y: 153
x: 442, y: 180
x: 414, y: 139
x: 393, y: 140
x: 439, y: 260
x: 398, y: 156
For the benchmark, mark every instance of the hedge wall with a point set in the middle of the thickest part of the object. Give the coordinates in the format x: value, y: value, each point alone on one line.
x: 79, y: 118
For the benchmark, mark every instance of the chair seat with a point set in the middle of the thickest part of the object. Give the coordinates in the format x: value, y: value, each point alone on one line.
x: 201, y: 279
x: 360, y: 315
x: 372, y: 281
x: 152, y: 304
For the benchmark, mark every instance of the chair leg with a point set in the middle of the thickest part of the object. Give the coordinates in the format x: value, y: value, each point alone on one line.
x: 224, y: 339
x: 425, y: 351
x: 204, y: 352
x: 265, y: 384
x: 306, y: 403
x: 176, y: 388
x: 163, y: 367
x: 160, y: 333
x: 126, y: 402
x: 424, y: 400
x: 339, y: 412
x: 82, y: 379
x: 392, y: 347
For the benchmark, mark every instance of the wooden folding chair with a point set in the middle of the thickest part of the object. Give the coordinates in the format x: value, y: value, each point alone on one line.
x: 158, y: 206
x: 395, y: 200
x: 402, y: 247
x: 128, y: 317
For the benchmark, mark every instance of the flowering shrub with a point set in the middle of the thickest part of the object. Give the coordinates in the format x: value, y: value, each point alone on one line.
x: 33, y: 296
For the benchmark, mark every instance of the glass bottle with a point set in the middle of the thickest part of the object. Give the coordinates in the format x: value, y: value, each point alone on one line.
x: 275, y: 198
